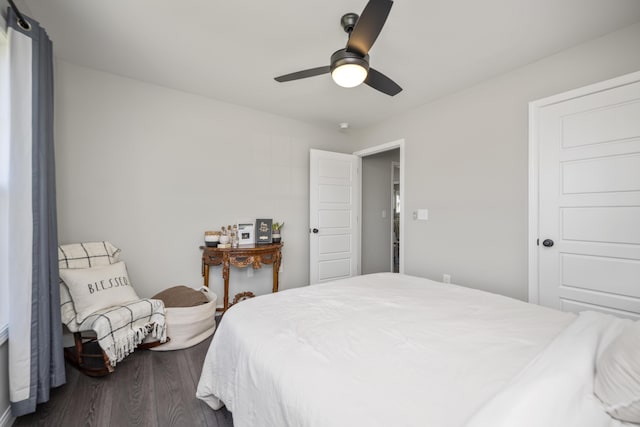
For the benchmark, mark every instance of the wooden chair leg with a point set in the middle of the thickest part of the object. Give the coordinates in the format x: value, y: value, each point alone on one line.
x: 77, y: 338
x: 87, y: 356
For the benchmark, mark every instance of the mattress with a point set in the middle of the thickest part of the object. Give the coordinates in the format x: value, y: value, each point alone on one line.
x: 375, y: 350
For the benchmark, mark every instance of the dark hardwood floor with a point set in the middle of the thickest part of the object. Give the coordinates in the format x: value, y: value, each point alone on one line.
x: 148, y: 388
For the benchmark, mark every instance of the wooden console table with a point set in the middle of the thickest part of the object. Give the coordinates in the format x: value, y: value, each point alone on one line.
x: 243, y: 256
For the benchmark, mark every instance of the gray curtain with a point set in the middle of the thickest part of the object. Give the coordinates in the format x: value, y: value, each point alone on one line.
x: 35, y: 332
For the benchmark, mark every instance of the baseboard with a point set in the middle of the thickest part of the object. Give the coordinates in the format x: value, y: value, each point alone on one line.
x: 7, y: 419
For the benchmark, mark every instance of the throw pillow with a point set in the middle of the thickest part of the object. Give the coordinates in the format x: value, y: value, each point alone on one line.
x: 95, y: 288
x: 617, y: 381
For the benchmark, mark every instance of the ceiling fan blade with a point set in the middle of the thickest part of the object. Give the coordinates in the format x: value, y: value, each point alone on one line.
x: 303, y: 74
x: 380, y: 82
x: 369, y: 25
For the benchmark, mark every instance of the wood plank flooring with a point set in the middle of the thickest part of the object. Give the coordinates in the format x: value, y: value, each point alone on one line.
x: 148, y: 388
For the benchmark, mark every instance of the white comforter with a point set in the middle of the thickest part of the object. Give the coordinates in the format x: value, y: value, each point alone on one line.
x: 375, y: 350
x: 556, y: 388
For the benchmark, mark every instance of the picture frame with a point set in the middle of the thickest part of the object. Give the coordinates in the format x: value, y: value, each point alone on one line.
x: 263, y: 231
x: 246, y: 233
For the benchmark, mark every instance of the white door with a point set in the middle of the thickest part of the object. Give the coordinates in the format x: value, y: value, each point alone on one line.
x: 589, y: 202
x: 333, y: 220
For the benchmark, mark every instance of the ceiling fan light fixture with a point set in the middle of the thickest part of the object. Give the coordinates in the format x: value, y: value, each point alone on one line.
x: 349, y: 75
x: 348, y: 69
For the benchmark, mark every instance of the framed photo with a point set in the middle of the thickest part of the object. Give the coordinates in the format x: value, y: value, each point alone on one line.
x: 246, y: 233
x: 263, y: 231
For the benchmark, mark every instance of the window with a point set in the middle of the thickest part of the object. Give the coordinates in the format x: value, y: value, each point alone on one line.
x: 4, y: 181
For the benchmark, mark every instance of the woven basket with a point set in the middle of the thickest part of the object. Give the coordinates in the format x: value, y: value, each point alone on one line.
x: 188, y: 326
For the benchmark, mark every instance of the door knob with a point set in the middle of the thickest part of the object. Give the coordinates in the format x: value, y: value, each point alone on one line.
x: 315, y: 231
x: 547, y: 243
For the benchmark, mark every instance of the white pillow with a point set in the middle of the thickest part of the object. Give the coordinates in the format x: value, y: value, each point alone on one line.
x: 95, y: 288
x: 618, y: 375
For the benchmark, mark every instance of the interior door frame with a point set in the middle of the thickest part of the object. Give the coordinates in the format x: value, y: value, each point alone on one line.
x: 368, y: 152
x: 394, y: 165
x: 535, y: 108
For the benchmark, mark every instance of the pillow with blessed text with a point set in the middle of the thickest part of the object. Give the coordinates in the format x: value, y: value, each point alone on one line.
x: 82, y: 255
x: 95, y: 288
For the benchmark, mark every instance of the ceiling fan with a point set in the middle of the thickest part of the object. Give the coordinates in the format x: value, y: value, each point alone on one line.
x: 350, y: 66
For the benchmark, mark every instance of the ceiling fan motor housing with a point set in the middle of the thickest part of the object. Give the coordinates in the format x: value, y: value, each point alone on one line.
x: 348, y: 21
x: 343, y: 57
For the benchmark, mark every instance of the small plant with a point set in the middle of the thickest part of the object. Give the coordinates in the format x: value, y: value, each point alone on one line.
x: 276, y: 226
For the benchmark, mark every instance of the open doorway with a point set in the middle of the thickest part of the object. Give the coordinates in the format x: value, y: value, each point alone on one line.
x: 378, y: 219
x: 381, y: 206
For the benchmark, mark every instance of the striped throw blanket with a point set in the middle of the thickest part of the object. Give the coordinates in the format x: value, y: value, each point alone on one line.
x: 119, y: 329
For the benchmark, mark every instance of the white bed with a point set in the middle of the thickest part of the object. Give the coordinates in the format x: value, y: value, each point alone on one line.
x: 395, y: 350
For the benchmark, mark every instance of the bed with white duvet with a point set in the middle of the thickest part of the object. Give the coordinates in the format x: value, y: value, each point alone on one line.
x: 395, y: 350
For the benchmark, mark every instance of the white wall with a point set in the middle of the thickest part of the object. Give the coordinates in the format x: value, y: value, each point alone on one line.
x: 376, y: 197
x: 466, y: 161
x: 151, y: 168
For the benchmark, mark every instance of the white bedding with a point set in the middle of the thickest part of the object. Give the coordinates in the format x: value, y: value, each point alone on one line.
x: 556, y: 388
x: 375, y: 350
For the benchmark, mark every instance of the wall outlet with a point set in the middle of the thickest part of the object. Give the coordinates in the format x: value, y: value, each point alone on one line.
x: 446, y: 278
x: 249, y: 272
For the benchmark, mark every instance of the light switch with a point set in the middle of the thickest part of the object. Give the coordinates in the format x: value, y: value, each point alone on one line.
x: 422, y: 214
x: 384, y: 213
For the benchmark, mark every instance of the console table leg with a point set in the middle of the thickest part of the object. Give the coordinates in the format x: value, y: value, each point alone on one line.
x: 276, y: 271
x: 225, y: 276
x: 205, y: 274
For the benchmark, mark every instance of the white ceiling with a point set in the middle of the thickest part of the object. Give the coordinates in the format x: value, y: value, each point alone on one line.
x: 231, y: 50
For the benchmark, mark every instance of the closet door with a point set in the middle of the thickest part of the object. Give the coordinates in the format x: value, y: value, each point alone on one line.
x: 588, y: 250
